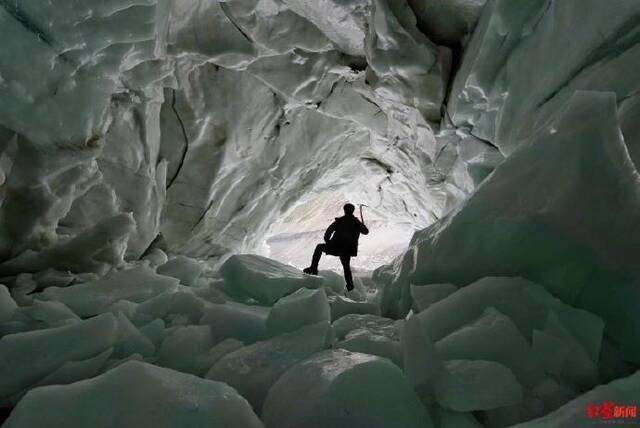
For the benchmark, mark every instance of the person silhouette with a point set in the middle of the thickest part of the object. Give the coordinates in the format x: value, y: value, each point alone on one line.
x: 341, y: 240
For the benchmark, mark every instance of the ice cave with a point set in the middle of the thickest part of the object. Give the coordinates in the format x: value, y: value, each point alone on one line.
x: 167, y: 168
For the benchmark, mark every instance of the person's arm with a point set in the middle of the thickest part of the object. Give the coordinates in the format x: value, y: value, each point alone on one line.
x: 329, y: 232
x: 363, y: 229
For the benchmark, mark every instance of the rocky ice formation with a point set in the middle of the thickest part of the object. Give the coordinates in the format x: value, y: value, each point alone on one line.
x: 160, y: 108
x: 147, y: 145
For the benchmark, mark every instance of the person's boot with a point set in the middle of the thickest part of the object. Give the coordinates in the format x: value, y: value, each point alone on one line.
x: 310, y: 270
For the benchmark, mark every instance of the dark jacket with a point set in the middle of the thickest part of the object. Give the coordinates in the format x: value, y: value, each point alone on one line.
x: 342, y: 236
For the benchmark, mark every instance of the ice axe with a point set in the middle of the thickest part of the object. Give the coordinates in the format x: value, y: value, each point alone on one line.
x: 362, y: 205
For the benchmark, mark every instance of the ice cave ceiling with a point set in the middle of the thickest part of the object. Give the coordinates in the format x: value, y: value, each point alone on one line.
x: 212, y: 121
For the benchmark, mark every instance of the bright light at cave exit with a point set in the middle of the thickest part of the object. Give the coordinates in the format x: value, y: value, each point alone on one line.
x: 293, y: 240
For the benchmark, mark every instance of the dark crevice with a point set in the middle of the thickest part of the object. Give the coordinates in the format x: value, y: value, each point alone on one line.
x: 333, y: 88
x: 377, y: 162
x: 229, y: 16
x: 372, y: 103
x: 186, y: 140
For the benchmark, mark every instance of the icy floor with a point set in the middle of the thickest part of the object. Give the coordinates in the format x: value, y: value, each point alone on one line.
x: 257, y: 343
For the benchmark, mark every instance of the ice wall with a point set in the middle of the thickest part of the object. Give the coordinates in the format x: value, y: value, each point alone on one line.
x: 209, y: 121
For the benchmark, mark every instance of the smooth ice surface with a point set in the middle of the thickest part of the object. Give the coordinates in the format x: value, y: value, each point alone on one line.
x: 344, y: 389
x: 7, y: 305
x: 187, y: 270
x: 25, y: 358
x: 91, y: 298
x: 422, y: 364
x: 264, y: 279
x: 153, y: 397
x: 476, y: 385
x: 525, y: 61
x: 186, y: 349
x: 253, y: 369
x: 245, y: 323
x: 426, y: 295
x: 130, y: 340
x: 304, y: 307
x: 495, y: 337
x: 52, y: 314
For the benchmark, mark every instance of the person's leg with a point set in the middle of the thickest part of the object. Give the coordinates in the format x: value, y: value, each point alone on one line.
x: 346, y: 265
x: 313, y: 269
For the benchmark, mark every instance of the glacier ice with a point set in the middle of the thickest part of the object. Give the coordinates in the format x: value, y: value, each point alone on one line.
x: 154, y: 397
x: 477, y: 341
x: 167, y: 167
x: 424, y: 296
x: 476, y: 385
x: 341, y: 306
x: 236, y: 321
x: 510, y: 214
x: 183, y: 268
x: 28, y: 357
x: 346, y: 389
x: 7, y: 304
x: 263, y: 279
x: 572, y: 414
x: 91, y: 298
x: 253, y: 369
x: 303, y: 307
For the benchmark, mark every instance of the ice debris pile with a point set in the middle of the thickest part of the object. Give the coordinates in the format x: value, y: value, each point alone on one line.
x: 256, y: 343
x: 140, y: 141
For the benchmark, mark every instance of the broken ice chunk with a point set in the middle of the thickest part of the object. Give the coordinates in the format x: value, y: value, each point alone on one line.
x: 151, y: 397
x: 156, y: 257
x: 253, y: 369
x: 524, y: 302
x: 368, y: 342
x: 477, y: 341
x: 344, y: 389
x: 52, y: 314
x: 154, y: 331
x: 376, y: 324
x: 186, y: 349
x: 235, y: 320
x: 186, y: 269
x: 7, y: 305
x: 131, y: 340
x: 179, y: 301
x: 600, y: 401
x: 91, y: 298
x: 264, y: 279
x: 465, y: 386
x: 572, y: 362
x: 341, y: 306
x: 422, y: 364
x: 424, y: 296
x: 304, y: 307
x: 26, y: 358
x: 73, y: 371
